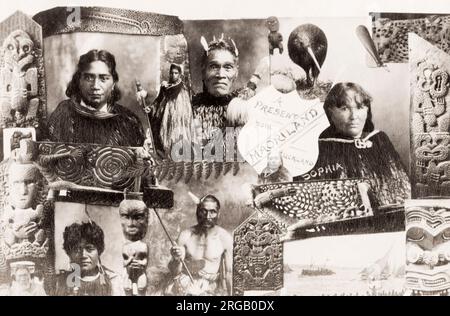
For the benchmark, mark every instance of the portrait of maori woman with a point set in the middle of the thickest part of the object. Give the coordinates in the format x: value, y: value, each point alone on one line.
x: 171, y: 112
x: 92, y: 114
x: 84, y: 244
x: 352, y: 148
x: 275, y: 171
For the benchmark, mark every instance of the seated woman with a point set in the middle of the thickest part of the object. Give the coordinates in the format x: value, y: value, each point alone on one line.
x: 352, y: 148
x: 275, y: 171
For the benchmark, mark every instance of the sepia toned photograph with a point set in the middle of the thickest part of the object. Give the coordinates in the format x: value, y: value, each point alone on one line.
x: 426, y: 248
x: 350, y: 167
x: 198, y: 150
x: 355, y: 265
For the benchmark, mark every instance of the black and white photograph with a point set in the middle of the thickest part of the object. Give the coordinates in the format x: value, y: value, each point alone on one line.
x: 199, y: 149
x: 427, y: 247
x: 356, y: 265
x: 349, y: 145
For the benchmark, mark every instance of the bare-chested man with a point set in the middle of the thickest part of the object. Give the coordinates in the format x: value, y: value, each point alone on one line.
x: 206, y: 249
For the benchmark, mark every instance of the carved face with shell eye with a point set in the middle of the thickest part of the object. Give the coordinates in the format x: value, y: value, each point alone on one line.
x: 428, y: 250
x: 18, y: 48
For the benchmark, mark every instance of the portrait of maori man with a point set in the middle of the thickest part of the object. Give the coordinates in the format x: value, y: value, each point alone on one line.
x: 220, y: 68
x: 92, y: 114
x: 201, y: 261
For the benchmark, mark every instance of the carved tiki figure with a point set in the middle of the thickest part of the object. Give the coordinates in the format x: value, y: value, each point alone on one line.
x: 432, y: 167
x: 24, y: 214
x: 275, y: 37
x: 24, y: 282
x: 430, y: 111
x: 134, y: 219
x: 18, y: 80
x: 258, y: 255
x: 427, y: 248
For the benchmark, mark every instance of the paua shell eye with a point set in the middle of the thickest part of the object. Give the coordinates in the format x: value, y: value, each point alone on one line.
x: 10, y: 47
x: 446, y: 234
x: 26, y: 48
x: 415, y: 234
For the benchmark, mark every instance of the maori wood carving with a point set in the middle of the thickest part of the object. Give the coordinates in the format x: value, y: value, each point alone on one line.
x: 391, y: 36
x: 430, y: 119
x: 22, y: 82
x: 107, y: 20
x: 257, y: 255
x: 428, y: 247
x: 24, y: 205
x: 314, y: 202
x: 85, y: 165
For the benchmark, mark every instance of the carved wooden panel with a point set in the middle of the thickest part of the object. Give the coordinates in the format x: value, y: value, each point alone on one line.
x: 391, y: 36
x: 87, y: 165
x: 35, y: 249
x: 430, y: 119
x: 106, y: 20
x: 22, y: 81
x: 320, y: 201
x: 257, y: 255
x: 428, y: 247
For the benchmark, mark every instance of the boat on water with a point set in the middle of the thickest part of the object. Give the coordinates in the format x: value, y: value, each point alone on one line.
x: 372, y: 274
x: 382, y: 269
x: 287, y: 268
x: 317, y: 271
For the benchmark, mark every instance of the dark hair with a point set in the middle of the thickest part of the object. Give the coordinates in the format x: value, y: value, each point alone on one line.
x: 220, y: 45
x: 90, y: 232
x: 175, y: 66
x: 337, y: 97
x: 73, y: 89
x: 208, y: 198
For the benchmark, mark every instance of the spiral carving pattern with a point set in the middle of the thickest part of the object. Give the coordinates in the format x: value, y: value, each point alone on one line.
x: 110, y: 165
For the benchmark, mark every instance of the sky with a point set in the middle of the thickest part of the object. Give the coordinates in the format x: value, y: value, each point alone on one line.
x: 351, y: 251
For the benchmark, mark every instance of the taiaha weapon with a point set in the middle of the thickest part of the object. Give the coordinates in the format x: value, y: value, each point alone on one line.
x: 149, y: 134
x: 369, y: 45
x: 173, y: 245
x: 145, y: 106
x: 142, y: 99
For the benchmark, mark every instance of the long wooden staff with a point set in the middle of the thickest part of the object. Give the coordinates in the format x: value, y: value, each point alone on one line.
x: 144, y: 105
x: 173, y: 245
